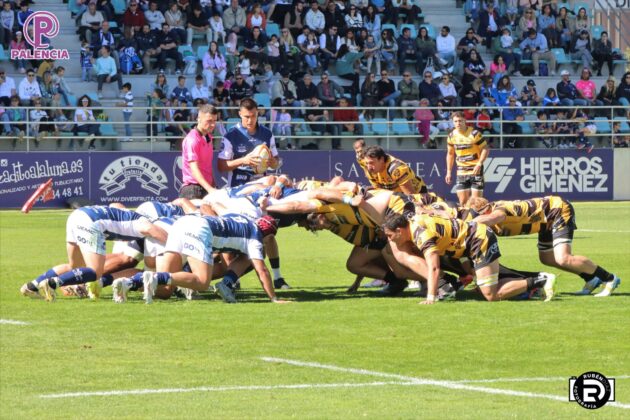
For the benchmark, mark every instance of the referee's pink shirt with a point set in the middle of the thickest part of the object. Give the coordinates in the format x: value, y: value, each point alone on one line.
x: 197, y: 148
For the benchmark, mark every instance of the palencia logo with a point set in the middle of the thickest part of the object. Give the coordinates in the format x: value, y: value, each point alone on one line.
x: 150, y: 176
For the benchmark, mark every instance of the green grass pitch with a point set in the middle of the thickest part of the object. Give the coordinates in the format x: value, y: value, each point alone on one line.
x: 209, y: 354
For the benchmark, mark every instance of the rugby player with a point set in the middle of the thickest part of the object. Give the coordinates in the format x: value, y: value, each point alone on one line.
x: 467, y: 147
x: 553, y: 218
x: 433, y: 237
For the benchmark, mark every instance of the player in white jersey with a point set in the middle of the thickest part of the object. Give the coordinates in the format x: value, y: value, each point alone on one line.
x: 197, y: 238
x: 87, y: 229
x: 153, y: 210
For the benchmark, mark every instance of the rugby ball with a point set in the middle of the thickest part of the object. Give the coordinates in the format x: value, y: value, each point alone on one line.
x: 262, y: 151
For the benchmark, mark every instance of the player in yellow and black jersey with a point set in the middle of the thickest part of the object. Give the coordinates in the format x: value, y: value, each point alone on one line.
x: 466, y: 147
x: 554, y: 219
x: 433, y: 237
x: 387, y: 172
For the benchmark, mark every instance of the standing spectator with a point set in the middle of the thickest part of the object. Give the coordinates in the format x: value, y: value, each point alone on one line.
x: 18, y: 43
x: 181, y: 92
x: 28, y: 88
x: 489, y: 23
x: 535, y: 46
x: 167, y: 44
x: 7, y: 88
x: 447, y: 91
x: 7, y: 20
x: 240, y: 141
x: 197, y: 155
x: 91, y: 22
x: 369, y: 94
x: 214, y: 65
x: 348, y: 119
x: 217, y: 28
x: 429, y: 89
x: 602, y: 53
x: 581, y: 49
x: 87, y: 62
x: 387, y: 93
x: 293, y: 19
x: 234, y: 19
x: 409, y: 92
x: 328, y: 91
x: 106, y: 71
x: 198, y: 23
x: 200, y: 90
x: 529, y: 95
x: 14, y: 121
x: 85, y: 121
x: 133, y: 17
x: 147, y: 46
x: 256, y: 18
x: 568, y: 93
x: 329, y: 44
x: 153, y: 17
x: 445, y: 44
x: 177, y: 21
x: 315, y: 19
x: 127, y: 111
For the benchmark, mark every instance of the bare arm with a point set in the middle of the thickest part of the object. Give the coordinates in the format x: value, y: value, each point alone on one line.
x: 450, y: 160
x: 292, y: 207
x: 433, y: 267
x: 186, y: 204
x: 491, y: 219
x: 482, y: 158
x: 229, y: 165
x: 265, y: 280
x: 153, y: 231
x: 407, y: 188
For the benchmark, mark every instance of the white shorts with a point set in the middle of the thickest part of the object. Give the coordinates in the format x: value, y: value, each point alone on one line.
x: 130, y: 249
x: 191, y: 236
x: 81, y: 230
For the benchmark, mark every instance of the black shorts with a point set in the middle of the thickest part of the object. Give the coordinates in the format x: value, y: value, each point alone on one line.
x: 558, y: 230
x: 470, y: 182
x: 192, y: 191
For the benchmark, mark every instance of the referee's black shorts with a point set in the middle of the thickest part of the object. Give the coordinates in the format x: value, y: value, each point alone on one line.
x: 192, y: 191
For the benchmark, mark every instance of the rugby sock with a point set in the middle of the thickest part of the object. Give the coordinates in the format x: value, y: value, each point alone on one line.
x: 75, y: 276
x: 603, y: 274
x: 136, y: 282
x: 587, y: 277
x: 163, y: 278
x: 107, y: 280
x: 47, y: 275
x: 275, y: 267
x: 230, y: 279
x: 535, y: 282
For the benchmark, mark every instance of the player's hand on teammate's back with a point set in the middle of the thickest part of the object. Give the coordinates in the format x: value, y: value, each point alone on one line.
x: 275, y: 192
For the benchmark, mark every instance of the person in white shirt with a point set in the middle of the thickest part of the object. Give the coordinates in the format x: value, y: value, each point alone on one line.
x: 216, y: 26
x: 91, y: 22
x: 200, y: 90
x: 177, y: 21
x: 154, y: 17
x: 7, y: 88
x: 28, y: 88
x: 315, y: 19
x: 445, y: 44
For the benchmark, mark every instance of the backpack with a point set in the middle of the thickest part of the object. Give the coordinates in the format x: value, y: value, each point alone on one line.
x: 543, y: 70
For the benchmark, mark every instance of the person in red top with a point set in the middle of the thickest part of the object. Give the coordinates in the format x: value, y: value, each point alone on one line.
x: 133, y: 16
x: 197, y: 153
x: 347, y: 116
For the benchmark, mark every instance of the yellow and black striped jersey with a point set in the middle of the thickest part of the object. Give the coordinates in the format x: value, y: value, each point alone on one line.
x: 558, y: 212
x: 343, y: 214
x: 357, y: 235
x: 450, y: 210
x: 395, y: 174
x: 522, y: 217
x: 468, y: 147
x: 426, y: 198
x: 311, y: 184
x: 400, y: 203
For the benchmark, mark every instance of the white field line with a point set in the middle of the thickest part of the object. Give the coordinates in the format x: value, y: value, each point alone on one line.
x: 13, y: 322
x: 602, y: 231
x: 541, y: 379
x: 432, y: 382
x: 218, y: 389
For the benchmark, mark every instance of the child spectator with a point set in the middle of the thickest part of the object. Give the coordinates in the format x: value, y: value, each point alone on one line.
x: 14, y: 121
x: 216, y: 26
x: 87, y: 62
x: 585, y: 128
x: 544, y: 129
x: 563, y: 129
x: 199, y: 91
x: 221, y: 97
x: 61, y: 84
x: 181, y: 92
x: 529, y: 95
x: 423, y: 117
x: 281, y: 125
x: 483, y: 123
x: 551, y: 101
x: 128, y: 111
x: 619, y: 140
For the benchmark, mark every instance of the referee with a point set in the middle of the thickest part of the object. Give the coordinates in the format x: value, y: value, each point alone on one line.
x: 467, y: 146
x: 234, y: 157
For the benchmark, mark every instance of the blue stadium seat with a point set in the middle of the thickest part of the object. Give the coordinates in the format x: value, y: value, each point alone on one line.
x: 263, y: 99
x: 390, y: 26
x: 74, y: 7
x: 380, y: 126
x: 187, y: 52
x: 401, y: 127
x: 625, y: 127
x: 596, y: 31
x: 272, y: 29
x: 72, y: 100
x: 107, y: 129
x: 623, y: 61
x: 3, y: 54
x: 119, y: 6
x: 602, y: 124
x: 201, y: 51
x: 566, y: 6
x: 526, y: 127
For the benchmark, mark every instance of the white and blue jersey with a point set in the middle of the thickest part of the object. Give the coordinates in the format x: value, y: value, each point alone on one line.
x: 153, y: 247
x: 153, y: 210
x: 237, y: 143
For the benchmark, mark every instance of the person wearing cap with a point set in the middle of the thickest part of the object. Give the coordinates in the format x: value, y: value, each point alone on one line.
x: 529, y: 95
x: 91, y: 22
x: 285, y: 89
x: 7, y: 88
x: 536, y: 45
x: 568, y: 93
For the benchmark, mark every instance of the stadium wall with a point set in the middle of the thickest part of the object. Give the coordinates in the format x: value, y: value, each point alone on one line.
x: 108, y: 177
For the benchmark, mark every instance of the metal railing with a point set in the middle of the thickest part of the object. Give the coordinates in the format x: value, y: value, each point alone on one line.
x: 386, y: 124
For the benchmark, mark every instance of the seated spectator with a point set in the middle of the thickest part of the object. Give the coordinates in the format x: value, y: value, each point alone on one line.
x: 28, y: 88
x: 106, y: 71
x: 85, y: 121
x: 234, y: 19
x: 177, y: 21
x: 153, y: 17
x: 176, y: 116
x: 91, y: 22
x: 407, y: 50
x: 564, y: 129
x: 128, y: 52
x: 156, y: 114
x: 409, y: 92
x: 306, y: 89
x: 586, y: 127
x: 429, y: 89
x: 348, y: 119
x: 285, y: 90
x: 507, y: 52
x: 329, y: 44
x: 198, y: 23
x: 568, y: 93
x: 281, y: 127
x: 472, y: 8
x: 445, y: 44
x: 468, y: 43
x: 489, y: 23
x: 167, y: 44
x: 315, y: 19
x: 471, y: 96
x: 389, y: 48
x: 497, y: 68
x: 474, y: 68
x: 535, y: 47
x: 547, y: 26
x: 273, y: 53
x: 586, y: 87
x: 104, y: 37
x: 256, y: 18
x: 602, y: 53
x: 200, y: 90
x: 483, y: 123
x: 565, y: 28
x: 293, y: 20
x: 448, y: 91
x: 369, y: 94
x: 582, y: 22
x: 551, y: 101
x: 160, y: 83
x: 529, y: 95
x: 408, y: 8
x: 7, y: 19
x: 425, y: 47
x: 133, y: 17
x: 511, y: 12
x: 245, y: 67
x: 581, y: 49
x: 50, y: 95
x: 217, y: 29
x: 619, y: 139
x: 353, y: 19
x: 289, y: 51
x: 527, y: 22
x: 14, y: 121
x: 387, y: 93
x: 231, y: 52
x: 372, y: 22
x: 147, y: 46
x: 221, y: 98
x: 350, y: 41
x: 310, y: 51
x: 423, y: 116
x: 316, y: 117
x: 328, y: 91
x: 214, y: 65
x: 334, y: 16
x: 504, y: 91
x: 623, y: 90
x: 239, y: 90
x: 346, y: 67
x: 544, y: 129
x: 256, y: 45
x: 7, y: 88
x: 487, y: 91
x: 606, y: 96
x: 40, y: 121
x: 511, y: 116
x: 18, y: 43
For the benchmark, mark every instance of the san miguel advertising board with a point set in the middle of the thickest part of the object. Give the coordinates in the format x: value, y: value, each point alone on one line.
x: 131, y: 179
